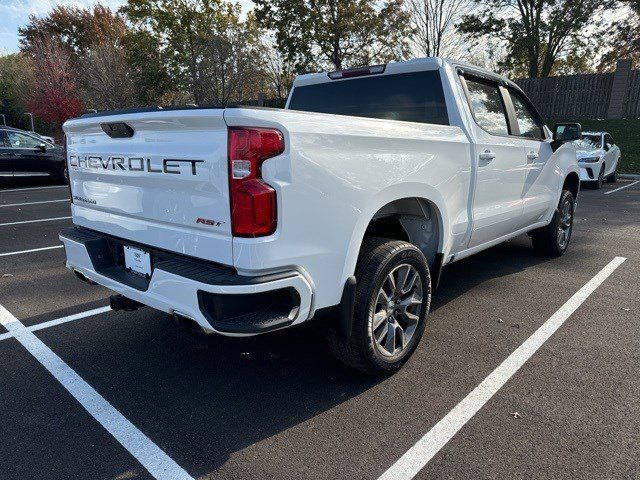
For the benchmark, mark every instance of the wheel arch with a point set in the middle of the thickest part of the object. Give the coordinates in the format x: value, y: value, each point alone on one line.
x: 572, y: 183
x: 404, y: 200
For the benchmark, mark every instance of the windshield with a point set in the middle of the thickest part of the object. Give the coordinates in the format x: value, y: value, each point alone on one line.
x: 412, y: 97
x: 589, y: 142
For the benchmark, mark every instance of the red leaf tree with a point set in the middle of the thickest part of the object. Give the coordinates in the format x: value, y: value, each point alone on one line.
x: 55, y: 96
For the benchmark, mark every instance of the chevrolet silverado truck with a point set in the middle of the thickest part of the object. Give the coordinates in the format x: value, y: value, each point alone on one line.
x: 344, y: 206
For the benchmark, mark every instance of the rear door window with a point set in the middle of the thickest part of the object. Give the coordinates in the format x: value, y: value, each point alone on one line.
x: 410, y: 97
x: 487, y: 106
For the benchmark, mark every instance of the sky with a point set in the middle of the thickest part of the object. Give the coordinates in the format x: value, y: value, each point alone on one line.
x: 15, y: 13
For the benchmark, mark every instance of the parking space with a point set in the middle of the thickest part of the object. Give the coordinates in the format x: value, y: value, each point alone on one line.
x: 278, y: 406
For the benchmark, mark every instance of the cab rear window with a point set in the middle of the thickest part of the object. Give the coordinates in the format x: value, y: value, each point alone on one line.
x: 410, y: 97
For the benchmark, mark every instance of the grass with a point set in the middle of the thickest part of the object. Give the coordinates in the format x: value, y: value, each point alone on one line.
x: 626, y: 134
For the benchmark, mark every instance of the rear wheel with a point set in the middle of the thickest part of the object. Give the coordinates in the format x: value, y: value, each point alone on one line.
x: 554, y: 239
x: 393, y: 294
x: 613, y: 178
x: 62, y: 175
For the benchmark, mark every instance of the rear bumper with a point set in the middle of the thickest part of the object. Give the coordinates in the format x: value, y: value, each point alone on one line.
x: 216, y: 298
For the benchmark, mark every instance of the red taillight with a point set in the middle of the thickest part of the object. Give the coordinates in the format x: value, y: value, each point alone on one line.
x: 254, y: 211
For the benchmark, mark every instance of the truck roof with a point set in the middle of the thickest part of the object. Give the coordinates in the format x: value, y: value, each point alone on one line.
x: 414, y: 65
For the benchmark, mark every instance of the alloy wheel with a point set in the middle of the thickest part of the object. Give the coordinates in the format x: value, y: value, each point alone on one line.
x: 566, y: 224
x: 397, y: 310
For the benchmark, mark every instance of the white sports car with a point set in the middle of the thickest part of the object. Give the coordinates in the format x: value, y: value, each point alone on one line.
x: 598, y: 158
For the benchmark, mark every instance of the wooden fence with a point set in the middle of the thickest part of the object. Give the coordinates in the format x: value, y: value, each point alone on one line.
x: 594, y: 95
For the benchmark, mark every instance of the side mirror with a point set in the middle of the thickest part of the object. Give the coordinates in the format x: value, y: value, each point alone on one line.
x: 608, y: 146
x: 42, y: 148
x: 567, y: 132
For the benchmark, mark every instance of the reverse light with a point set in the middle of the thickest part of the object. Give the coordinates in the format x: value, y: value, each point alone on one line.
x: 254, y: 211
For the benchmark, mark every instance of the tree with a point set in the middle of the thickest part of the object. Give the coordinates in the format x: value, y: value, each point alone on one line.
x: 15, y: 85
x: 93, y: 40
x: 336, y: 33
x: 143, y: 54
x: 280, y: 72
x: 231, y: 67
x: 76, y: 28
x: 625, y: 42
x: 107, y: 81
x: 193, y: 39
x: 54, y: 96
x: 434, y: 26
x: 537, y: 33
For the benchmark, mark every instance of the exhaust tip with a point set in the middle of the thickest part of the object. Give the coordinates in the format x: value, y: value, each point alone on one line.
x: 120, y: 302
x: 188, y: 323
x: 83, y: 278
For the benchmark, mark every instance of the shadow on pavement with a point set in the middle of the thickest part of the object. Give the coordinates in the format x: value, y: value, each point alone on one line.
x: 504, y: 259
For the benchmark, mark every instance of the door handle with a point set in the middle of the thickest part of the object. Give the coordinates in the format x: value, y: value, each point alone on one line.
x: 532, y: 155
x: 487, y: 156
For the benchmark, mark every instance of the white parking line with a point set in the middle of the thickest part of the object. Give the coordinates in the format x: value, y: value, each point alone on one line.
x: 8, y: 254
x: 33, y: 203
x: 34, y: 221
x: 422, y: 452
x: 60, y: 321
x: 32, y: 188
x: 69, y: 318
x: 622, y: 188
x: 157, y: 463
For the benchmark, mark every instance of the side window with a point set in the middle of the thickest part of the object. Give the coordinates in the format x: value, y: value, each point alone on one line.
x: 527, y: 120
x: 3, y: 139
x: 486, y: 106
x: 608, y: 139
x: 20, y: 140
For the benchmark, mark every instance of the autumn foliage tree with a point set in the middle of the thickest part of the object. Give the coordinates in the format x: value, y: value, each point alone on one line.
x: 54, y: 96
x: 77, y: 29
x: 337, y: 34
x: 538, y: 34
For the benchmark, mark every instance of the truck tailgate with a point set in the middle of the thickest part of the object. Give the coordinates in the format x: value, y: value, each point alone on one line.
x: 156, y: 178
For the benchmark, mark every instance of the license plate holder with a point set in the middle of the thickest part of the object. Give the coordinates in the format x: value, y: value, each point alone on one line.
x: 137, y: 260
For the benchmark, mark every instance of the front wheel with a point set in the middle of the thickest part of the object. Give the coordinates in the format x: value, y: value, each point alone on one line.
x: 554, y: 239
x: 598, y: 183
x: 393, y: 294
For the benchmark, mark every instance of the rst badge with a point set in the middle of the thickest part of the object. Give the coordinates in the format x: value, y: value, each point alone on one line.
x: 209, y: 222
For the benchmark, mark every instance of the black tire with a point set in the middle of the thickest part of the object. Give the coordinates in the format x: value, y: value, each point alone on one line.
x: 597, y: 185
x: 379, y: 258
x: 613, y: 178
x: 62, y: 175
x: 547, y: 240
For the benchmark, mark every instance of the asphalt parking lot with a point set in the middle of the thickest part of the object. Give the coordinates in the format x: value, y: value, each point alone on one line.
x: 181, y: 405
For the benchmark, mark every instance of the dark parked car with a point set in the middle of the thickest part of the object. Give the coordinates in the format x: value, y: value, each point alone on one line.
x: 24, y: 154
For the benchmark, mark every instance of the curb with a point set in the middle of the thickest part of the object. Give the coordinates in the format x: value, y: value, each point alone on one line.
x: 629, y: 176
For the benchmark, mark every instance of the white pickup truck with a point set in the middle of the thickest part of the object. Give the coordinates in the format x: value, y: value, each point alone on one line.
x: 345, y: 205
